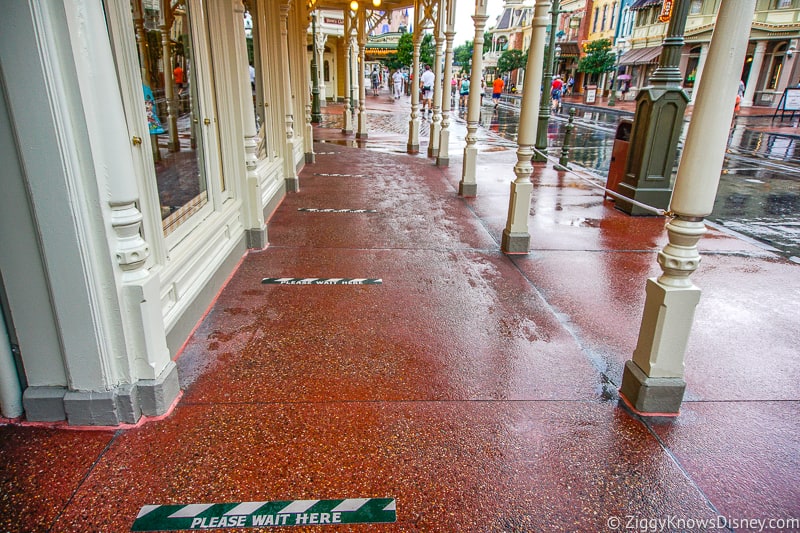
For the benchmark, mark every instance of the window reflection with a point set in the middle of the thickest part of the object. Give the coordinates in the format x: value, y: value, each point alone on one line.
x: 170, y: 93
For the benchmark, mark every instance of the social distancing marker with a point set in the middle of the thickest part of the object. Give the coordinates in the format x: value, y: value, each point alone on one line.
x: 262, y: 514
x: 340, y: 175
x: 322, y: 281
x: 327, y: 210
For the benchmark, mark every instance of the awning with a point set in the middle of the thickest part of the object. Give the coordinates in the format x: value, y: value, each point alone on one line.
x: 643, y: 4
x: 641, y: 56
x: 568, y: 49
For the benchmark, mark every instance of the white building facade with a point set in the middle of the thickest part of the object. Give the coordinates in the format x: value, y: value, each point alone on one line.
x: 140, y: 165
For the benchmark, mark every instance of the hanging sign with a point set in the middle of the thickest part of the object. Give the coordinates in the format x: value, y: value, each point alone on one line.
x: 666, y: 11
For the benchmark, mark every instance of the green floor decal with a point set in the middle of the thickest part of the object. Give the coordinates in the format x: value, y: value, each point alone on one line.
x: 261, y: 514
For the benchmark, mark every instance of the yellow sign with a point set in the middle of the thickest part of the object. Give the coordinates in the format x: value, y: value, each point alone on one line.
x: 666, y: 11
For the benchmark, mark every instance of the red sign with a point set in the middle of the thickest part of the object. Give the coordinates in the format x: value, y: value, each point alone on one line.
x: 666, y: 11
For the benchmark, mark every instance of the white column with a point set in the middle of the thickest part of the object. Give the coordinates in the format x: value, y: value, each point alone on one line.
x: 347, y: 125
x: 755, y: 73
x: 516, y: 239
x: 302, y: 21
x: 701, y: 64
x: 363, y: 130
x: 436, y: 122
x: 289, y: 170
x: 321, y: 38
x: 413, y: 125
x: 468, y: 185
x: 443, y: 158
x: 253, y: 209
x: 173, y: 145
x: 653, y: 380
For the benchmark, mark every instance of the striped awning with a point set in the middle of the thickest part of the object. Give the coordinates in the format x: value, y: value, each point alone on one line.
x: 641, y: 56
x: 643, y: 4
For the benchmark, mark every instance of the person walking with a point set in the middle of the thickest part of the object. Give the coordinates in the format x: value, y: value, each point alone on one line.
x: 463, y: 92
x: 497, y: 90
x: 376, y: 81
x: 397, y: 81
x: 555, y: 93
x: 427, y: 80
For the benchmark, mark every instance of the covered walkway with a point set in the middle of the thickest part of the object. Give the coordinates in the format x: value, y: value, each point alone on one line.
x: 477, y: 389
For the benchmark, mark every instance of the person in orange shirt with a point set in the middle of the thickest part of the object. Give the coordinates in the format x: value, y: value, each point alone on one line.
x: 177, y: 74
x: 497, y: 89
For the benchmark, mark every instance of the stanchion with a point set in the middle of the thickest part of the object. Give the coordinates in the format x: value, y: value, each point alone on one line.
x: 563, y: 161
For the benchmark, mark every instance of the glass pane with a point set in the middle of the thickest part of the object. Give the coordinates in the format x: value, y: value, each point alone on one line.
x: 169, y: 90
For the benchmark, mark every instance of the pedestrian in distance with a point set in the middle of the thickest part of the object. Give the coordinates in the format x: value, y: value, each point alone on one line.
x: 397, y: 81
x: 555, y: 93
x: 376, y: 81
x: 497, y: 90
x: 427, y: 80
x: 463, y: 92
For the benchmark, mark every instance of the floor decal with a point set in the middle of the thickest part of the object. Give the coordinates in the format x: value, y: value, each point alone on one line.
x: 340, y: 175
x: 322, y: 281
x: 261, y: 514
x: 318, y: 210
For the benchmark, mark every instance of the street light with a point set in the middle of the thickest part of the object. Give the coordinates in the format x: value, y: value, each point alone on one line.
x: 556, y: 59
x: 547, y: 78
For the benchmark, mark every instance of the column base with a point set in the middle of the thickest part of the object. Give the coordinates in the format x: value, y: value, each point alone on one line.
x: 292, y: 184
x: 468, y: 190
x: 310, y: 157
x: 515, y: 243
x: 156, y: 395
x: 651, y: 396
x: 44, y: 404
x: 412, y: 148
x: 124, y: 404
x: 347, y: 132
x: 256, y: 238
x: 442, y: 161
x: 360, y: 135
x: 433, y: 152
x: 658, y: 198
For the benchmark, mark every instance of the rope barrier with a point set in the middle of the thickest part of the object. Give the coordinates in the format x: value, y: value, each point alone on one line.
x: 656, y: 210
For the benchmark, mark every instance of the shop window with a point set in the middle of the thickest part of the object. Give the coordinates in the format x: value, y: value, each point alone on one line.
x: 691, y: 67
x: 613, y: 15
x: 596, y: 16
x: 169, y: 74
x: 326, y: 70
x: 782, y: 4
x: 775, y: 68
x: 696, y: 7
x: 605, y: 16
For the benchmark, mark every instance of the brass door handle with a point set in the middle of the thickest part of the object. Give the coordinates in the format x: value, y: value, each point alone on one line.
x: 136, y: 140
x: 206, y: 121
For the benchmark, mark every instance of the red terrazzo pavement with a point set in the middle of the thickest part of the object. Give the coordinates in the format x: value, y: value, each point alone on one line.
x: 477, y: 389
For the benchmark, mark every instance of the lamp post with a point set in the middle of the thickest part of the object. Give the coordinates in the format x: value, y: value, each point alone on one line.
x: 316, y: 115
x: 547, y: 80
x: 556, y: 59
x: 612, y: 98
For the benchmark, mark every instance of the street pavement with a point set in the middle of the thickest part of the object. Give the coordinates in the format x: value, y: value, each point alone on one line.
x: 477, y: 390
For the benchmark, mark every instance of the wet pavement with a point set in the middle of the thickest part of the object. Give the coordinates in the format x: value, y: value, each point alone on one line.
x: 476, y: 389
x: 759, y: 191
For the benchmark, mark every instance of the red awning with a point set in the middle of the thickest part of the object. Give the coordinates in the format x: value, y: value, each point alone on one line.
x: 641, y: 56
